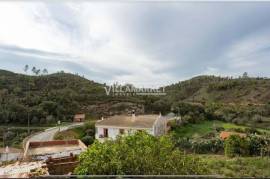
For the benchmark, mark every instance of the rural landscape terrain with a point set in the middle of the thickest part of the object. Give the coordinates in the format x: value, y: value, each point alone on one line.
x: 200, y: 111
x: 134, y: 89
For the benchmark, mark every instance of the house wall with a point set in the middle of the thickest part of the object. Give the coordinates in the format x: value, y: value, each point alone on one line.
x: 114, y: 132
x: 99, y: 132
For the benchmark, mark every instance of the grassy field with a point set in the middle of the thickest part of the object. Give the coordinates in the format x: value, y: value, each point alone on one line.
x: 199, y: 129
x: 237, y: 167
x: 74, y: 133
x: 220, y: 164
x: 77, y: 132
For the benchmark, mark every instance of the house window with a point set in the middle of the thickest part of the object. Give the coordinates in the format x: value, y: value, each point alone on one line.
x: 105, y: 132
x: 121, y: 131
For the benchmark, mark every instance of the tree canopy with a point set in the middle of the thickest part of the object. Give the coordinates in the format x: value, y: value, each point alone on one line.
x: 138, y: 154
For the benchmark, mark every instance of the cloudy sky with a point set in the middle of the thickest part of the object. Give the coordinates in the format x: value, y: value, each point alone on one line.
x: 144, y: 43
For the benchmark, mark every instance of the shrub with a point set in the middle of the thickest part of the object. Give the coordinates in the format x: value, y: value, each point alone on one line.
x: 89, y: 125
x: 42, y: 121
x: 88, y: 140
x: 183, y: 143
x: 251, y: 131
x: 257, y: 118
x: 50, y: 119
x: 258, y: 145
x: 219, y: 129
x: 34, y: 120
x: 138, y: 154
x: 235, y: 146
x: 207, y: 146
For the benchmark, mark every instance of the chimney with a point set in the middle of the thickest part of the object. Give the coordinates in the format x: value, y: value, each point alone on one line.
x: 159, y: 114
x: 102, y: 118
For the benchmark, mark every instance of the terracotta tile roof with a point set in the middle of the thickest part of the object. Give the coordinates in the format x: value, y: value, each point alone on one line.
x: 141, y: 121
x: 224, y: 134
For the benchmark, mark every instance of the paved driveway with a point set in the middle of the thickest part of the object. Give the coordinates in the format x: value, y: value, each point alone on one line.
x: 48, y: 134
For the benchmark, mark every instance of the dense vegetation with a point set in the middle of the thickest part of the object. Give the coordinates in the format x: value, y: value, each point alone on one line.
x: 138, y: 154
x: 204, y: 138
x: 14, y: 136
x: 86, y: 133
x: 144, y: 154
x: 247, y: 146
x: 237, y: 167
x: 44, y: 99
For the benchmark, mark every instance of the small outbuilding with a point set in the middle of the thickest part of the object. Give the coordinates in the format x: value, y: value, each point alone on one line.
x: 79, y: 118
x: 224, y: 134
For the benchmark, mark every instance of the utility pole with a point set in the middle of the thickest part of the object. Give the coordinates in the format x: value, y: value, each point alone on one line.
x: 28, y: 122
x: 3, y: 101
x: 59, y: 124
x: 28, y: 117
x: 3, y: 138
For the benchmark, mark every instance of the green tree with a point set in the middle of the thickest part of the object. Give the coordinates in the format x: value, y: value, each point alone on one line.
x: 37, y: 71
x: 138, y: 154
x: 25, y: 69
x: 34, y: 70
x: 236, y: 146
x: 49, y: 106
x: 44, y: 71
x: 245, y: 75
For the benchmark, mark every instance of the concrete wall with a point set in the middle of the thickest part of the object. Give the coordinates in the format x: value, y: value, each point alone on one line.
x: 160, y: 126
x: 10, y: 156
x: 53, y: 143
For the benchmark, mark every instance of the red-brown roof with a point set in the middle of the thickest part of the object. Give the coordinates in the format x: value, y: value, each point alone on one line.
x: 224, y: 134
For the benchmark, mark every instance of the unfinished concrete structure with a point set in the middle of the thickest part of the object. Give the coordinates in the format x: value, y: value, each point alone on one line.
x: 62, y: 165
x: 57, y: 148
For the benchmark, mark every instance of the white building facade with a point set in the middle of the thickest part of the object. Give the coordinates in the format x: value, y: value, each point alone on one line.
x: 125, y: 125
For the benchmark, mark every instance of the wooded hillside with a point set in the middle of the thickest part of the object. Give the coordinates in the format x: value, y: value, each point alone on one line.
x: 48, y: 98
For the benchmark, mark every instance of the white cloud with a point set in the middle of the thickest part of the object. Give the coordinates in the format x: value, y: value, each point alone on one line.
x: 142, y: 43
x: 249, y: 51
x: 99, y: 39
x: 18, y: 27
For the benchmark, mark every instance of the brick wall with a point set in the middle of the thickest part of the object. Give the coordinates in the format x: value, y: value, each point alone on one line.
x: 53, y: 143
x: 62, y: 166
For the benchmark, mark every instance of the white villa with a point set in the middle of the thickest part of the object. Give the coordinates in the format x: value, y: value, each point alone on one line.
x: 119, y: 125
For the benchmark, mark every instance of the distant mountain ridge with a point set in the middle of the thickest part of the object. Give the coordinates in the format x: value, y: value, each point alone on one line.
x: 48, y: 98
x: 221, y: 89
